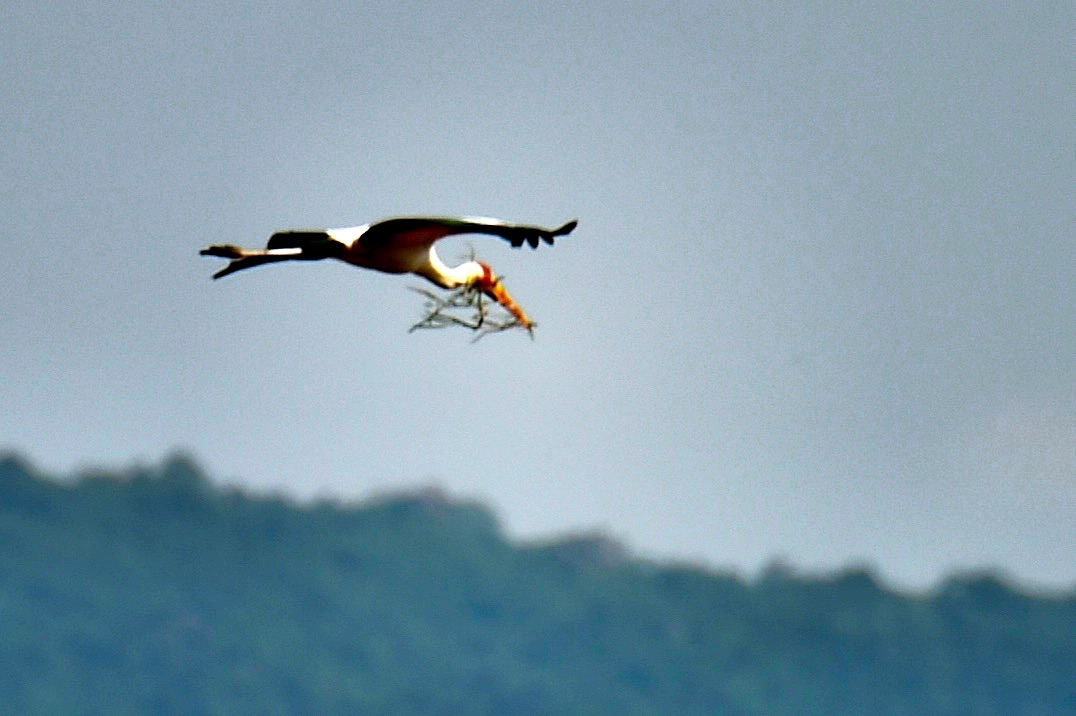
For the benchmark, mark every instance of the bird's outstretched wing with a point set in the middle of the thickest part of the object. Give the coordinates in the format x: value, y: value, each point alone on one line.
x: 424, y: 231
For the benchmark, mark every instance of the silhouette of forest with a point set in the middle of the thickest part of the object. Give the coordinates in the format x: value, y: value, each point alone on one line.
x: 155, y: 591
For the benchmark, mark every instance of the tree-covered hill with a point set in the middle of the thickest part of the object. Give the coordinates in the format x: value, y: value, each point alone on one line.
x: 156, y: 592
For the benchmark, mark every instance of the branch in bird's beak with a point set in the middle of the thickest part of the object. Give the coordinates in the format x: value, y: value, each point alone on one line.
x: 467, y: 306
x: 496, y: 290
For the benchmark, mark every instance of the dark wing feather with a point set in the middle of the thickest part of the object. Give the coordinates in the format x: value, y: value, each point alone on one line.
x: 419, y: 231
x: 315, y: 244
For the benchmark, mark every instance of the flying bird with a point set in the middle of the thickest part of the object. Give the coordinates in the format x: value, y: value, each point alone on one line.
x: 398, y: 245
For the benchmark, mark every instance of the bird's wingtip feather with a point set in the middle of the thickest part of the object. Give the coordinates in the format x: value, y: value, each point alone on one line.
x: 567, y: 228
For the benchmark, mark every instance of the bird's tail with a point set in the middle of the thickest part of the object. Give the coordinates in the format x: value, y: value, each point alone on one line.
x: 247, y: 258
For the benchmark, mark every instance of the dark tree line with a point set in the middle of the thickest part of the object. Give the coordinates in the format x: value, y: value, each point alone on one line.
x: 154, y: 591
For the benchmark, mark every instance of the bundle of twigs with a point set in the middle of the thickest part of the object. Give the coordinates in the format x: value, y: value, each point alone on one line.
x: 466, y: 306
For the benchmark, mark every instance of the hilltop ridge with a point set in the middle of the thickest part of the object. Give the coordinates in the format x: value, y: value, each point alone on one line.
x: 152, y: 589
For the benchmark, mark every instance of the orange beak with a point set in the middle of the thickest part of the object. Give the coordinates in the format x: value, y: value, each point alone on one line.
x: 495, y: 290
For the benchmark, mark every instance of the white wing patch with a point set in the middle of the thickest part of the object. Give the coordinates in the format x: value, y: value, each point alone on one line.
x: 347, y: 235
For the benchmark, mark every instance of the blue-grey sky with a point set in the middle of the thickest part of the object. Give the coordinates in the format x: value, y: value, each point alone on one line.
x: 819, y: 306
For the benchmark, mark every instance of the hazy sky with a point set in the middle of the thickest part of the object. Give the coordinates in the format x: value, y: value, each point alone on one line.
x: 819, y: 305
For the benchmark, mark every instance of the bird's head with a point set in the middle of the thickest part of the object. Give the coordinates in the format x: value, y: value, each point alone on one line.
x: 490, y: 284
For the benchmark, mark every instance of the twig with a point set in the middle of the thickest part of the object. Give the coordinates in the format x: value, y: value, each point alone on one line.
x: 465, y: 306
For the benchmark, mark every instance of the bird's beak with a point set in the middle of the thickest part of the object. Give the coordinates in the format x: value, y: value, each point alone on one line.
x: 497, y: 292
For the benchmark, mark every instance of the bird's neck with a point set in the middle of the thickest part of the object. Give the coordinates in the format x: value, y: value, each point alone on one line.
x: 452, y: 276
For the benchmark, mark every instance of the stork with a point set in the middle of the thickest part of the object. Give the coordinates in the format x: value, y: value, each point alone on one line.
x: 397, y: 245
